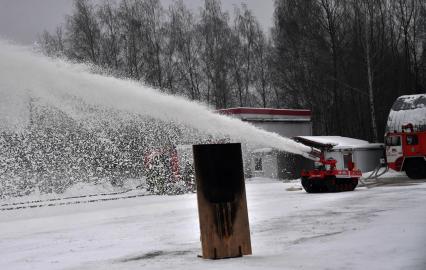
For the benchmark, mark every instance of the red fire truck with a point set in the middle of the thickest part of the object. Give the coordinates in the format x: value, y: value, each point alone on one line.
x: 405, y: 136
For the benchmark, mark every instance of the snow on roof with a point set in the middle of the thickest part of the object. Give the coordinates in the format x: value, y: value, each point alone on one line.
x: 409, y: 102
x: 335, y: 142
x: 410, y: 109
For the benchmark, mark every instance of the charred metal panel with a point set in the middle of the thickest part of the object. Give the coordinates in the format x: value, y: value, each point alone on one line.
x: 222, y: 204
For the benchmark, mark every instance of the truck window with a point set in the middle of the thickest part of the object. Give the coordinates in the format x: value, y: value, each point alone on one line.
x: 393, y: 141
x: 412, y: 140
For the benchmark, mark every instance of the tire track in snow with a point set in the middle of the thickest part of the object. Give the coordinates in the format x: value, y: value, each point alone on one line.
x: 70, y: 200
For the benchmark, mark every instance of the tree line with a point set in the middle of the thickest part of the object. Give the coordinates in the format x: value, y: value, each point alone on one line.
x: 204, y: 56
x: 349, y: 60
x: 346, y: 60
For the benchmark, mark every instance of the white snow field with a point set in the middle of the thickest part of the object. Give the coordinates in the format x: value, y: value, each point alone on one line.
x: 380, y: 227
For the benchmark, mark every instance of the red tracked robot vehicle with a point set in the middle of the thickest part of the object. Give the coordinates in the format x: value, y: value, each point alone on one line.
x: 327, y: 178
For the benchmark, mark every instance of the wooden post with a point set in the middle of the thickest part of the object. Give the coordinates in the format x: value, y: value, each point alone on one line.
x: 222, y: 204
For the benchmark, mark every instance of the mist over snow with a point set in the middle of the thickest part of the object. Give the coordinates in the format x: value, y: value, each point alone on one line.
x: 62, y: 124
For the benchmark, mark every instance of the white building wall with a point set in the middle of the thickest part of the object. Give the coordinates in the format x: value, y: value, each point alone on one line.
x: 269, y: 165
x: 367, y: 159
x: 274, y: 163
x: 286, y: 129
x: 272, y: 166
x: 338, y: 156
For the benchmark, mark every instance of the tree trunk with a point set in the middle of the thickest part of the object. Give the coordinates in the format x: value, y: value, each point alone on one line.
x: 370, y: 79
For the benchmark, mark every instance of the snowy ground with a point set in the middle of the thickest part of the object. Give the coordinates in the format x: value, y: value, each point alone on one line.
x: 382, y: 226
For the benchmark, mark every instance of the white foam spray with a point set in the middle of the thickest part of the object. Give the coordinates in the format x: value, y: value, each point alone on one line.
x: 60, y: 84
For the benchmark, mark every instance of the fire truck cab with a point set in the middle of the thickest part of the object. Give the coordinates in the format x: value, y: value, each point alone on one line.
x: 405, y: 137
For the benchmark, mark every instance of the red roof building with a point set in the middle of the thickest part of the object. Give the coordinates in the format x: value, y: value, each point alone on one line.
x: 267, y: 162
x: 286, y: 122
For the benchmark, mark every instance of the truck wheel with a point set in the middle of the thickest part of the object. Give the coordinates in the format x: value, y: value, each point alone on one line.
x: 415, y: 168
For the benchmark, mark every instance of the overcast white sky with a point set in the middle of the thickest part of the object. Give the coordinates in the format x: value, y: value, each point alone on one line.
x: 23, y: 20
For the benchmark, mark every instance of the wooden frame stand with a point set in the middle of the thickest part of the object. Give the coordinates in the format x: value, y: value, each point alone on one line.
x: 222, y: 204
